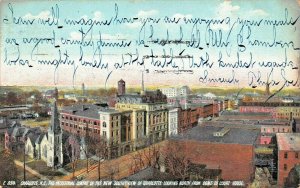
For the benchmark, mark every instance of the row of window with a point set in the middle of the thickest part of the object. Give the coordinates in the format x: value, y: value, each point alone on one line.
x: 277, y: 130
x: 157, y: 128
x: 286, y: 155
x: 80, y: 128
x: 80, y: 120
x: 287, y: 114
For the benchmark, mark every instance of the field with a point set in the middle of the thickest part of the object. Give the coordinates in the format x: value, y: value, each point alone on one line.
x: 34, y: 123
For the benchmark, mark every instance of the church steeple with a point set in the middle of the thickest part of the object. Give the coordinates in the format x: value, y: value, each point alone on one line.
x: 55, y: 151
x: 54, y: 122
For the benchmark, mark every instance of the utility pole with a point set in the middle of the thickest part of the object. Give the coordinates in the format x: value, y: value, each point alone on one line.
x: 24, y: 163
x: 86, y: 147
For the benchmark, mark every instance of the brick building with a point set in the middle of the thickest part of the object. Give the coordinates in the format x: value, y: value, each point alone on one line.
x: 188, y: 116
x: 288, y: 155
x: 279, y: 110
x: 79, y: 118
x: 221, y: 148
x: 269, y: 129
x: 121, y: 87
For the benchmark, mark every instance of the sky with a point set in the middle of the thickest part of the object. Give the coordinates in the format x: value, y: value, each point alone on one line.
x: 29, y: 42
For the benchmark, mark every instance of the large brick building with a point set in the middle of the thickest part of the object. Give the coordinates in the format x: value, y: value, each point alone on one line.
x: 80, y: 118
x: 288, y: 155
x: 221, y: 148
x: 279, y: 110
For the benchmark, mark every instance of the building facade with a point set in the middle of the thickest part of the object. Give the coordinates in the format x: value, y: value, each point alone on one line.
x: 173, y: 121
x: 176, y: 92
x: 279, y: 110
x: 153, y: 103
x: 220, y: 148
x: 82, y: 119
x: 288, y: 155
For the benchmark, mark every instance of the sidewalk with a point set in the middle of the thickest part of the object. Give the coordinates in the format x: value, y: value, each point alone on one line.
x: 30, y: 170
x: 62, y: 170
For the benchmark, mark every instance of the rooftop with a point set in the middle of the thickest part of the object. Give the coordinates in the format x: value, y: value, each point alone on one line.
x: 155, y: 96
x: 84, y: 110
x: 270, y: 104
x: 233, y: 135
x: 288, y: 141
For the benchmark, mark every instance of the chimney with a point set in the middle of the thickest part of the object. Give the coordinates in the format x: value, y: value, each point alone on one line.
x: 143, y: 87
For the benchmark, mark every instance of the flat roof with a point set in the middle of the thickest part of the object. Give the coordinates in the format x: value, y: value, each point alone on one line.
x: 288, y: 141
x: 206, y: 134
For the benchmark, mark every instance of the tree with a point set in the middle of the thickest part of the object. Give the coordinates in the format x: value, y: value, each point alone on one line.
x: 8, y: 170
x: 72, y: 151
x: 147, y: 157
x: 101, y: 152
x: 176, y: 161
x: 112, y: 171
x: 88, y: 146
x: 293, y: 179
x: 12, y: 98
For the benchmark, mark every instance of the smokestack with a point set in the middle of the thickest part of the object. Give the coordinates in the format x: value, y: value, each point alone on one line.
x: 143, y: 89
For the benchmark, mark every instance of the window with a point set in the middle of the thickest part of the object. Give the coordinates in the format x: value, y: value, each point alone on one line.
x: 296, y: 155
x: 285, y: 166
x: 104, y: 133
x: 285, y: 155
x: 104, y: 124
x: 45, y: 151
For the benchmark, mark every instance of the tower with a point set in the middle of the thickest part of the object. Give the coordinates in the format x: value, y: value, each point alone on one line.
x: 83, y: 89
x: 121, y: 87
x: 267, y: 92
x: 54, y: 153
x: 143, y: 86
x: 55, y: 95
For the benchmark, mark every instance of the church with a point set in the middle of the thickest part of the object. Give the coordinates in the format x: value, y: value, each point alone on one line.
x: 47, y: 146
x: 52, y: 146
x: 55, y: 146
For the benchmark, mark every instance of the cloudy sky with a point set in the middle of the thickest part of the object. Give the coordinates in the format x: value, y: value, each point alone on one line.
x: 29, y: 40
